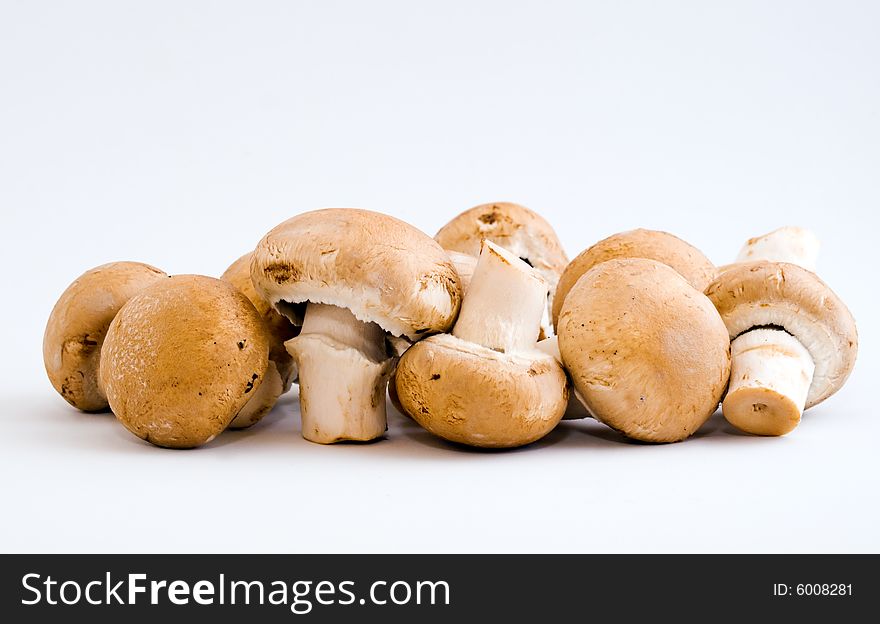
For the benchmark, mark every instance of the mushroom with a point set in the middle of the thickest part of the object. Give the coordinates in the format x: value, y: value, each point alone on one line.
x: 77, y: 326
x: 182, y: 358
x: 358, y: 276
x: 791, y: 244
x: 486, y: 384
x: 646, y: 351
x: 281, y: 370
x: 521, y: 231
x: 663, y: 247
x: 794, y: 343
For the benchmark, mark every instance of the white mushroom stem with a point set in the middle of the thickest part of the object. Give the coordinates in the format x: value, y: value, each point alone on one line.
x: 791, y: 244
x: 464, y: 266
x: 770, y: 377
x: 343, y: 373
x: 576, y: 409
x: 504, y: 303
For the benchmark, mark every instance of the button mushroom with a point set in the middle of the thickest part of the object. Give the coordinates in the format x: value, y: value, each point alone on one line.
x: 670, y: 250
x: 358, y: 275
x: 281, y: 370
x: 486, y: 384
x: 521, y: 231
x: 182, y: 358
x: 647, y: 352
x: 794, y: 343
x: 77, y: 326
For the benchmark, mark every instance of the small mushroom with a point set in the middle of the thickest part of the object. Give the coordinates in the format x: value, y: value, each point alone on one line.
x: 352, y: 276
x: 646, y: 351
x: 663, y: 247
x: 521, y: 231
x: 182, y: 358
x: 486, y: 384
x: 791, y: 244
x: 77, y: 326
x: 794, y: 344
x: 281, y: 369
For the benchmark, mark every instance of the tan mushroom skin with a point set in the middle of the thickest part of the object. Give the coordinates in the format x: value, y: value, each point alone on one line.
x: 77, y: 326
x: 352, y: 277
x: 648, y: 353
x: 486, y: 384
x: 182, y: 358
x: 663, y: 247
x: 281, y: 369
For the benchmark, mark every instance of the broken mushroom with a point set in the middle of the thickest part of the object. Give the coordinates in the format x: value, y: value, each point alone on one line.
x: 486, y: 384
x: 182, y: 358
x: 281, y: 369
x: 516, y: 228
x: 77, y: 326
x: 663, y: 247
x: 352, y: 276
x: 794, y: 344
x: 646, y: 351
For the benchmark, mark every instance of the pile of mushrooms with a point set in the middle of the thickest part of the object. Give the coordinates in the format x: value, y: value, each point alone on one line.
x: 485, y: 335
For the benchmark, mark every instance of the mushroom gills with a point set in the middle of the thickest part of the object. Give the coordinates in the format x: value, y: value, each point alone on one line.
x: 791, y: 244
x: 505, y: 301
x: 770, y: 378
x: 343, y: 372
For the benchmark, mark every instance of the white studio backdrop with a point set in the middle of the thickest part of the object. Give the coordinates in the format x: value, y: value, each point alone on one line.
x: 178, y: 133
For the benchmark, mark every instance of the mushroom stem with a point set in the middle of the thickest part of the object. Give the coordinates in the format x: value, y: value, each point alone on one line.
x: 769, y: 381
x: 343, y: 372
x: 504, y: 303
x: 577, y: 408
x: 791, y: 244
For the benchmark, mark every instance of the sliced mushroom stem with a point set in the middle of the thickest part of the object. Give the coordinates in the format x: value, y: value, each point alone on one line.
x: 343, y: 373
x: 770, y: 378
x: 577, y: 408
x: 791, y: 244
x: 504, y: 303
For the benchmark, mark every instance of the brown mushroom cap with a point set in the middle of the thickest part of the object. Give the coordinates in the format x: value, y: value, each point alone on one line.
x: 280, y: 328
x: 469, y: 394
x: 771, y: 294
x: 382, y: 269
x: 521, y: 231
x: 663, y: 247
x: 182, y: 358
x: 78, y: 323
x: 646, y: 351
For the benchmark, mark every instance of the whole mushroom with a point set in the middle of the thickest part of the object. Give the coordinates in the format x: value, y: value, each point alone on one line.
x: 521, y: 231
x: 486, y: 384
x: 647, y: 352
x: 182, y: 358
x: 794, y: 343
x: 281, y: 369
x: 77, y: 326
x: 352, y: 277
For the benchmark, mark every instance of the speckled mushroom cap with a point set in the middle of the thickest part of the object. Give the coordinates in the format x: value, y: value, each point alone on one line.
x: 466, y: 393
x: 78, y: 323
x: 770, y: 294
x: 181, y: 359
x: 646, y: 351
x: 280, y: 328
x: 382, y: 269
x: 521, y: 231
x: 663, y: 247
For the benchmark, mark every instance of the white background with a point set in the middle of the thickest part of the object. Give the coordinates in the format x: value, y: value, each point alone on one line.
x: 177, y: 133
